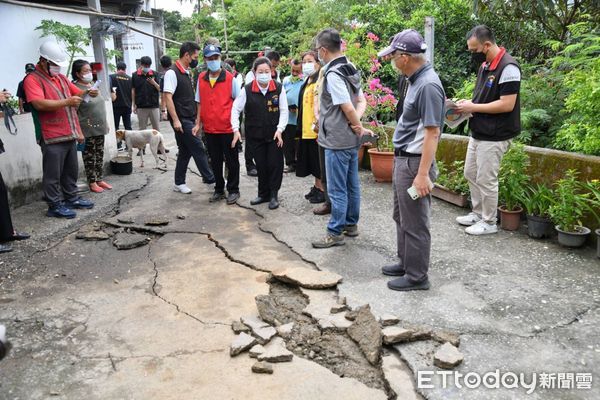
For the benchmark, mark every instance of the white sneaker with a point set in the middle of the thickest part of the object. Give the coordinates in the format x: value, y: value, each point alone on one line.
x: 182, y: 188
x: 468, y: 220
x: 482, y: 228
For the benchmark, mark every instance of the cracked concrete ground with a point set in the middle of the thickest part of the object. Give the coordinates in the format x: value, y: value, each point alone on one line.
x: 90, y: 322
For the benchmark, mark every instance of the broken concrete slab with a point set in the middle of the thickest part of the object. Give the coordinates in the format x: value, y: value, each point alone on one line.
x: 253, y: 322
x: 366, y: 332
x: 351, y: 315
x: 399, y: 377
x: 125, y: 220
x: 92, y: 235
x: 267, y: 309
x: 276, y: 352
x: 388, y: 320
x: 156, y: 221
x: 256, y: 351
x: 238, y: 327
x: 307, y: 278
x: 325, y: 319
x: 443, y: 336
x: 396, y: 334
x: 264, y: 335
x: 338, y: 308
x: 285, y: 330
x: 241, y: 343
x: 125, y: 241
x: 261, y: 367
x: 447, y: 356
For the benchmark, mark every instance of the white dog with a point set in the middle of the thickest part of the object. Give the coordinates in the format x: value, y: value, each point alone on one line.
x: 139, y: 140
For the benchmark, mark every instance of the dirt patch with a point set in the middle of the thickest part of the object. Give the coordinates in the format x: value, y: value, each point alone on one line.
x: 331, y: 349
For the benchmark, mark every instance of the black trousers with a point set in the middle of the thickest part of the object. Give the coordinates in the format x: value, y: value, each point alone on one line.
x: 269, y: 164
x: 249, y: 156
x: 190, y: 146
x: 219, y: 150
x: 60, y: 171
x: 290, y: 145
x: 323, y: 173
x: 6, y: 226
x: 124, y: 114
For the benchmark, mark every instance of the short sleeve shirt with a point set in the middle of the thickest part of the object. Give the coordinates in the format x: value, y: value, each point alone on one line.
x: 34, y: 90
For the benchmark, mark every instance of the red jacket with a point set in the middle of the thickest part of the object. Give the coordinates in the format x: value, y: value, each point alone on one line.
x: 216, y: 102
x: 57, y: 126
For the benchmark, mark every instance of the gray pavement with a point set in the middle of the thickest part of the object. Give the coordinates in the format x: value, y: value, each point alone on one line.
x: 520, y: 305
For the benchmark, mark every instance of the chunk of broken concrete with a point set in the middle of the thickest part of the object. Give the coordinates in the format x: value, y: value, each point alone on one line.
x: 241, y: 343
x: 326, y: 320
x: 351, y: 315
x: 125, y: 241
x: 261, y: 367
x: 366, y: 332
x: 444, y: 336
x: 338, y: 308
x: 396, y: 334
x: 156, y: 221
x: 253, y: 322
x: 307, y: 278
x: 267, y: 309
x: 91, y: 235
x: 256, y: 351
x: 388, y: 320
x: 285, y: 331
x: 125, y: 220
x: 263, y: 335
x: 447, y: 356
x: 276, y: 352
x: 238, y: 327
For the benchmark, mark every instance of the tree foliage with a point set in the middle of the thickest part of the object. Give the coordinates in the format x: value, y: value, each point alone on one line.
x: 73, y: 37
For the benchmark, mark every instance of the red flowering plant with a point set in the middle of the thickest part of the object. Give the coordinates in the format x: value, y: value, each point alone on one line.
x: 381, y: 102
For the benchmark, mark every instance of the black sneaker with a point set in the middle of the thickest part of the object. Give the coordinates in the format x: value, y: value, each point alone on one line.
x: 393, y: 270
x: 5, y: 247
x: 232, y: 198
x: 310, y: 194
x: 253, y: 172
x: 79, y: 203
x: 404, y: 285
x: 318, y: 197
x: 216, y: 196
x: 259, y: 200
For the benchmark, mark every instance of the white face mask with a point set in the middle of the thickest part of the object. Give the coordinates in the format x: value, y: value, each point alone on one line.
x: 54, y: 70
x: 263, y: 78
x: 87, y: 78
x: 308, y: 69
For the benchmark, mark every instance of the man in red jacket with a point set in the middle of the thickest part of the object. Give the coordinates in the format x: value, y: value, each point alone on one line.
x: 55, y: 100
x: 216, y: 90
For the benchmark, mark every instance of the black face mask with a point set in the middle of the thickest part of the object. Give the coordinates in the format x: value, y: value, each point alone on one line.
x: 193, y: 64
x: 478, y: 58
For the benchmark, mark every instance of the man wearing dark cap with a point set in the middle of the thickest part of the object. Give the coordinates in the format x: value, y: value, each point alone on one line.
x: 23, y: 105
x: 121, y: 84
x: 415, y: 143
x: 215, y: 92
x: 341, y: 106
x: 496, y: 121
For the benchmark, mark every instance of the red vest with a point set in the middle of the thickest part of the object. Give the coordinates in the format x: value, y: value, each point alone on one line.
x: 216, y: 103
x: 61, y: 125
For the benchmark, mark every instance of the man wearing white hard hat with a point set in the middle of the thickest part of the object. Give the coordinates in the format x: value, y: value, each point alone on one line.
x: 55, y: 100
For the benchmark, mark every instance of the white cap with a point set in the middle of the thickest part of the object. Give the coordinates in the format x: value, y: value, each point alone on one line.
x: 51, y: 51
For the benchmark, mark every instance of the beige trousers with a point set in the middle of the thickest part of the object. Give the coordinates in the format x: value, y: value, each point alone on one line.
x: 481, y: 170
x: 148, y: 113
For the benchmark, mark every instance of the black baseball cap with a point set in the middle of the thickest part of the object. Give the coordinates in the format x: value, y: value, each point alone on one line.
x: 408, y: 41
x: 29, y: 67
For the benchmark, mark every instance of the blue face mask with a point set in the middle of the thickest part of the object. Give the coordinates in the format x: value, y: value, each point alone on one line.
x: 263, y: 78
x: 213, y: 65
x: 146, y: 70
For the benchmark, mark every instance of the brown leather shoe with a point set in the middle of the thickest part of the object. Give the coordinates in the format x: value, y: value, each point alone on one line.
x: 323, y: 209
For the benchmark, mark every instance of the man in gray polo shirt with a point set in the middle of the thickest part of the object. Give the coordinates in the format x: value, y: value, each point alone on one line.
x: 415, y: 143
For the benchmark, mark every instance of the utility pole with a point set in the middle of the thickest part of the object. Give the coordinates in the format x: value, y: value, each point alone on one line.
x: 429, y: 38
x: 99, y: 49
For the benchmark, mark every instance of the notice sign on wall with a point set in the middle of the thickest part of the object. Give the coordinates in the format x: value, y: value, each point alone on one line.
x: 133, y: 46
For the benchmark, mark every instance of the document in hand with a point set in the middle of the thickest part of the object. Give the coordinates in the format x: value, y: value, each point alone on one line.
x: 452, y: 118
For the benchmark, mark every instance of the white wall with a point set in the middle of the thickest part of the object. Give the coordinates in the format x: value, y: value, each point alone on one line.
x: 137, y: 45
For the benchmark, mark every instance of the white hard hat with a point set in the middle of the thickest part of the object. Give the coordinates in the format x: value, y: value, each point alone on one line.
x: 51, y: 51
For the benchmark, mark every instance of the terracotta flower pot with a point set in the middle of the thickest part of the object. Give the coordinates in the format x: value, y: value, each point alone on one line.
x: 382, y: 165
x: 510, y: 220
x: 443, y: 193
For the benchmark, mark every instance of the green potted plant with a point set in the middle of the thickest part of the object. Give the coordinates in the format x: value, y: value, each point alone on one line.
x: 537, y: 200
x: 451, y: 184
x: 594, y: 207
x: 512, y: 180
x: 568, y: 210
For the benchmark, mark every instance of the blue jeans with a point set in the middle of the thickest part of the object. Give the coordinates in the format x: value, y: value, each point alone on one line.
x: 343, y: 188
